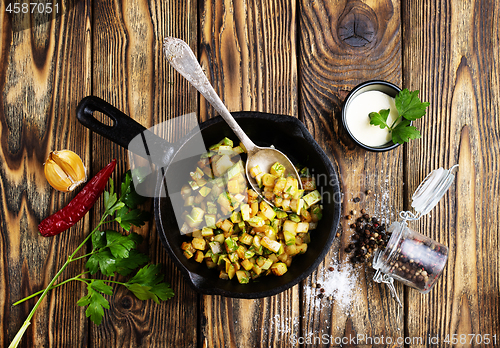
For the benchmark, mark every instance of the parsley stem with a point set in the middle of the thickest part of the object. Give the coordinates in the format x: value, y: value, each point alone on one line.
x: 83, y: 256
x: 114, y: 281
x: 394, y: 123
x: 52, y: 287
x: 17, y: 339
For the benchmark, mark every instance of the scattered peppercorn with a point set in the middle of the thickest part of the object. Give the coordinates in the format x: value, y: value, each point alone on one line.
x: 370, y: 235
x: 356, y: 199
x: 368, y: 192
x: 330, y: 269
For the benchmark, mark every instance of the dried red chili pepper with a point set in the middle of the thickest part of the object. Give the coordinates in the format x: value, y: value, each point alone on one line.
x: 79, y: 206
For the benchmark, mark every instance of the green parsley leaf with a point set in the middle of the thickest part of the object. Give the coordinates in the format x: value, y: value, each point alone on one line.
x: 134, y: 260
x: 104, y: 261
x: 409, y: 105
x: 99, y: 285
x: 134, y: 217
x: 128, y: 194
x: 95, y: 301
x: 379, y: 118
x: 98, y: 240
x: 404, y: 132
x: 119, y: 244
x: 148, y: 284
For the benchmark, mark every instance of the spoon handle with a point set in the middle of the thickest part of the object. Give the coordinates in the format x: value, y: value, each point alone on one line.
x: 181, y: 57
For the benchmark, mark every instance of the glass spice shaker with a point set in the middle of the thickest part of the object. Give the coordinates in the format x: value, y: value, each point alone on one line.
x: 410, y: 257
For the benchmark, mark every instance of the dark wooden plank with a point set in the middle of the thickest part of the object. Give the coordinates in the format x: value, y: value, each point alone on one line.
x: 451, y: 55
x: 131, y: 73
x: 248, y: 51
x: 45, y: 71
x: 341, y: 45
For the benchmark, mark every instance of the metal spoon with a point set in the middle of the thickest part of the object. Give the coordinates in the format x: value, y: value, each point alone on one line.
x: 181, y: 57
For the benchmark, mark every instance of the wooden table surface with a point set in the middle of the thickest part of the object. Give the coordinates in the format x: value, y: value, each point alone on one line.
x: 297, y: 58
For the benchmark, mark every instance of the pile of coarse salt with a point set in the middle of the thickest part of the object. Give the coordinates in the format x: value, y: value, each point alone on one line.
x: 336, y: 284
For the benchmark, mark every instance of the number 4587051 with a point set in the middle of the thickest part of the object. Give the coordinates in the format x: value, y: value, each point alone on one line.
x: 470, y: 339
x: 32, y: 7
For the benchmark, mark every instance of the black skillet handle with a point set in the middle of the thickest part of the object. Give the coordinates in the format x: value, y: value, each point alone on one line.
x: 123, y: 130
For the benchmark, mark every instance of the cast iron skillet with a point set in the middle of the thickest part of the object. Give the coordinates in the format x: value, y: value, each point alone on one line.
x: 287, y: 134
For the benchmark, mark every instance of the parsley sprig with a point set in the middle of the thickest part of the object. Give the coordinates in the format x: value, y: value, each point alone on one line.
x: 112, y: 253
x: 409, y: 108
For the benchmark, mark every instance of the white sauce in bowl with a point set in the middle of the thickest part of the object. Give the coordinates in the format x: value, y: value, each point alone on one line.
x: 358, y: 121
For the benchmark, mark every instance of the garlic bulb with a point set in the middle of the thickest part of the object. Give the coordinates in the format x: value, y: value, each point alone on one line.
x: 64, y: 170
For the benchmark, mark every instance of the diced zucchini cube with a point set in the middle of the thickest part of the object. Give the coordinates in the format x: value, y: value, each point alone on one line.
x: 301, y: 248
x: 289, y: 238
x: 211, y: 208
x: 207, y: 232
x: 286, y: 204
x: 219, y: 237
x: 267, y: 264
x: 243, y: 276
x: 280, y: 214
x: 225, y: 150
x: 198, y: 257
x: 256, y: 241
x: 272, y: 245
x: 296, y: 205
x: 236, y: 170
x: 268, y: 180
x: 231, y: 245
x: 256, y: 221
x: 227, y: 142
x: 291, y: 250
x: 188, y: 254
x: 233, y: 257
x: 267, y: 210
x: 283, y: 257
x: 302, y: 227
x: 249, y: 254
x: 299, y: 195
x: 294, y: 217
x: 245, y: 212
x: 255, y: 171
x: 222, y: 165
x: 290, y: 226
x: 204, y: 191
x: 192, y: 222
x: 233, y: 186
x: 273, y: 258
x: 227, y: 226
x: 238, y: 150
x: 231, y: 271
x: 277, y: 169
x: 279, y: 268
x: 193, y: 184
x: 197, y: 214
x: 189, y: 201
x: 257, y: 270
x: 258, y: 179
x: 199, y: 243
x: 279, y: 186
x: 210, y: 221
x: 247, y: 239
x: 236, y: 217
x: 247, y: 265
x: 241, y: 251
x: 312, y: 197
